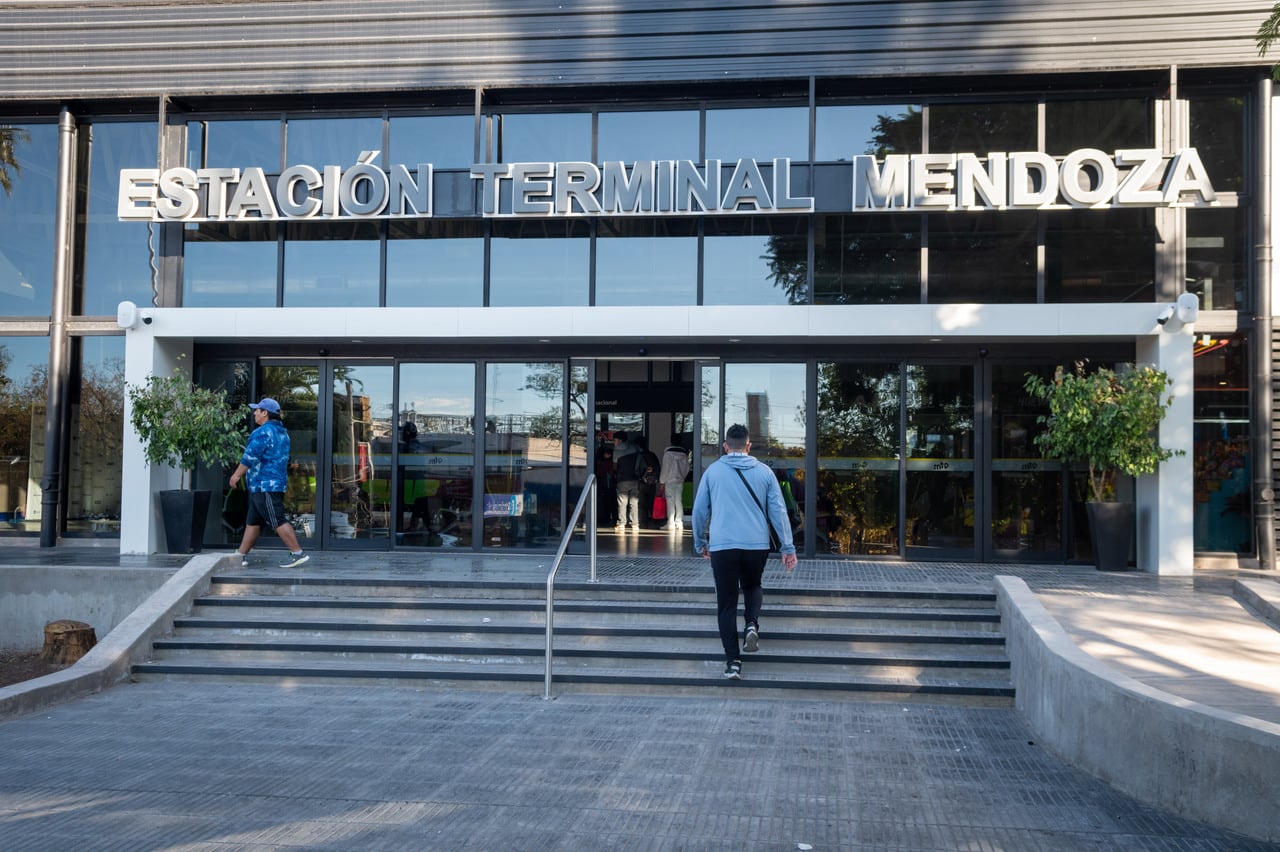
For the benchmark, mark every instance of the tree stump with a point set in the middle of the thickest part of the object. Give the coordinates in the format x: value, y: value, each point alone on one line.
x: 66, y: 641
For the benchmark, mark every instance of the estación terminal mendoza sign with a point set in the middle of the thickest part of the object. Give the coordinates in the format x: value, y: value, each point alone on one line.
x: 1025, y: 180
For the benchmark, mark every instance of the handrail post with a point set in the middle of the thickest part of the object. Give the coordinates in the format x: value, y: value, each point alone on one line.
x: 593, y: 518
x: 587, y: 500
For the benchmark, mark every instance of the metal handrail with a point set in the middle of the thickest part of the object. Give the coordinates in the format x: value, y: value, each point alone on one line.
x: 588, y: 498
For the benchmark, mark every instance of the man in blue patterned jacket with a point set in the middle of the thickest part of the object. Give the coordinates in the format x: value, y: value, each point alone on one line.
x: 266, y: 461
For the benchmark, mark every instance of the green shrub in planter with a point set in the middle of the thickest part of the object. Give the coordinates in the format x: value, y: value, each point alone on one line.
x: 1107, y: 421
x: 1104, y: 419
x: 181, y: 424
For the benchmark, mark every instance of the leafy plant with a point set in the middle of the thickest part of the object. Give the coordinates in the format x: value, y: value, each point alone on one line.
x: 1104, y: 419
x: 182, y: 424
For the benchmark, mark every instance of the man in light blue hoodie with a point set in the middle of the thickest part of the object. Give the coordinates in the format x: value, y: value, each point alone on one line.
x: 738, y: 500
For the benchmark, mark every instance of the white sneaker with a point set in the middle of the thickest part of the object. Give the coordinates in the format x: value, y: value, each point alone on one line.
x: 295, y: 559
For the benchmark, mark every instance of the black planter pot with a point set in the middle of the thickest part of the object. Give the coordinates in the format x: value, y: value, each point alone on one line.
x: 1111, y: 527
x: 184, y: 514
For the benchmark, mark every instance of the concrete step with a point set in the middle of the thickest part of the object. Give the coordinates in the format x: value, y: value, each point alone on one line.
x: 280, y: 650
x: 422, y: 587
x: 570, y: 612
x: 390, y: 628
x: 708, y: 675
x: 873, y: 645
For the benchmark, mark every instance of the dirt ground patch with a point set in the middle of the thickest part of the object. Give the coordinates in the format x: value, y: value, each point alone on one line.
x: 17, y: 666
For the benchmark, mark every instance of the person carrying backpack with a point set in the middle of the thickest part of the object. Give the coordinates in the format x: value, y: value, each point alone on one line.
x: 625, y: 458
x: 647, y: 466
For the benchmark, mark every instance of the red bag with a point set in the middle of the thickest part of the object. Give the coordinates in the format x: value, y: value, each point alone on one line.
x: 659, y: 508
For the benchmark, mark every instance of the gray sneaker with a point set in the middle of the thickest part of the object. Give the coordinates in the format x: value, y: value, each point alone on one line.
x: 751, y: 641
x: 733, y: 670
x: 295, y: 559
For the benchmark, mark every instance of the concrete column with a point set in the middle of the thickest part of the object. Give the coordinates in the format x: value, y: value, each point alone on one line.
x: 1164, y: 503
x: 141, y: 531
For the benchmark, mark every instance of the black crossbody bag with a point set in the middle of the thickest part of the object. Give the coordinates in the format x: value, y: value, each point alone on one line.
x: 775, y: 545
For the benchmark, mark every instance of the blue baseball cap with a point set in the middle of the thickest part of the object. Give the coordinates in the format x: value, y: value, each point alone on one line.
x: 269, y: 405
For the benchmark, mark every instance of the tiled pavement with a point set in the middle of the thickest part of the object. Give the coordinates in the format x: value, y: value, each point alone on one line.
x: 179, y: 765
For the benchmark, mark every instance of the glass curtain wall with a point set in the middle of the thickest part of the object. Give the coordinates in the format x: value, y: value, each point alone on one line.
x: 97, y: 436
x: 28, y: 174
x: 1223, y: 462
x: 24, y: 370
x: 119, y: 257
x: 885, y: 258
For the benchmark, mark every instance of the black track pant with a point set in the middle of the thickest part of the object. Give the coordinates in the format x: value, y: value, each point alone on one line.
x: 733, y: 570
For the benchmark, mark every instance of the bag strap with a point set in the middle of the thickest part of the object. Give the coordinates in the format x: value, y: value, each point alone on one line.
x: 768, y: 526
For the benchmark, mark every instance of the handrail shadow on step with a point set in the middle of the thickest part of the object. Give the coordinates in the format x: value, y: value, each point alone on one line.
x: 588, y: 498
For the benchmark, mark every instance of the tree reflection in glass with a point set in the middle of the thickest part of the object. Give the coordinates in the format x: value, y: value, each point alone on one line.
x: 858, y: 449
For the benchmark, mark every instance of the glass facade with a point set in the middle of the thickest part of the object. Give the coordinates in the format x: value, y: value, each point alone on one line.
x: 29, y: 174
x: 843, y: 132
x: 119, y: 257
x: 458, y: 260
x: 97, y: 423
x: 896, y: 445
x: 24, y: 368
x: 647, y: 262
x: 1223, y: 453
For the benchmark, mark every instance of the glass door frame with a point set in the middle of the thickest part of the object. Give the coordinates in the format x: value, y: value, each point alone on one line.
x: 324, y: 453
x: 981, y: 519
x: 984, y: 417
x: 322, y: 538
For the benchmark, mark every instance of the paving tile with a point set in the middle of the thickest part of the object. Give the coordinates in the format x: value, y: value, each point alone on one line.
x: 564, y: 774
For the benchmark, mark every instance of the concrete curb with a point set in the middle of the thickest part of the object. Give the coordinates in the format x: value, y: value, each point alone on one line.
x: 1263, y: 596
x: 109, y: 661
x: 1196, y: 761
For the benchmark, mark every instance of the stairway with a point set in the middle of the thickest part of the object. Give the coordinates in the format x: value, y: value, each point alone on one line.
x: 864, y: 645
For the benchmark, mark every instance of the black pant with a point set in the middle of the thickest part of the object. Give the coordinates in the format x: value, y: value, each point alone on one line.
x: 734, y: 569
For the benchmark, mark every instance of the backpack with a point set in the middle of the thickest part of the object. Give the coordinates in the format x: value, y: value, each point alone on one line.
x: 647, y: 468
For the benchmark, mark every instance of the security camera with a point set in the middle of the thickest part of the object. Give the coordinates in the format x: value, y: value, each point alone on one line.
x: 1166, y: 314
x: 146, y: 319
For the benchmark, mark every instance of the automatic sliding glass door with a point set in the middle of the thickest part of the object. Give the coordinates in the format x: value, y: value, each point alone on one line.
x: 940, y: 506
x: 339, y: 418
x: 297, y: 388
x: 1026, y: 489
x: 859, y: 456
x: 361, y: 432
